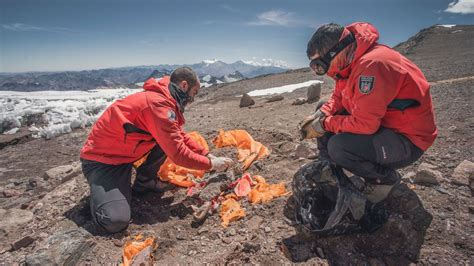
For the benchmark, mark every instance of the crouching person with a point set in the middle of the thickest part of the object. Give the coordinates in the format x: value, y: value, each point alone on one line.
x: 379, y: 117
x: 149, y: 122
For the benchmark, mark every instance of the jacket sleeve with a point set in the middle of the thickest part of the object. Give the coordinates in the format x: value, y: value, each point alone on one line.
x: 193, y: 145
x: 169, y: 135
x: 334, y: 104
x: 380, y: 85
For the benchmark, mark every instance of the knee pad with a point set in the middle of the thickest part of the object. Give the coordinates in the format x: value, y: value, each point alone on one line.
x: 113, y: 216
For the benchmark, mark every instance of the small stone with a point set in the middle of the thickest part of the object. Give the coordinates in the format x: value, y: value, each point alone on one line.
x: 181, y: 237
x: 17, y: 183
x: 246, y: 101
x: 463, y: 174
x: 203, y: 230
x: 306, y: 149
x: 21, y: 243
x: 299, y: 101
x: 118, y: 242
x: 314, y: 93
x: 409, y: 176
x: 275, y: 98
x: 232, y: 232
x: 267, y: 229
x: 427, y: 175
x: 452, y: 128
x: 254, y: 223
x: 8, y: 193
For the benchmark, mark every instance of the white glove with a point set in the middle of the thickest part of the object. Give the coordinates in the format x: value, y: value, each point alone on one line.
x: 220, y: 164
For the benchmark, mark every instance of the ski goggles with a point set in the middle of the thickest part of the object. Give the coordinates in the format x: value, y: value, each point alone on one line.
x: 321, y: 64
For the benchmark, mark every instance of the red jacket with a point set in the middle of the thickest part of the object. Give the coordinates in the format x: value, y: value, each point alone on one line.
x: 132, y: 126
x: 376, y: 77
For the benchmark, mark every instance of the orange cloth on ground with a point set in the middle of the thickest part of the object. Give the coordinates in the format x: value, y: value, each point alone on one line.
x: 230, y: 211
x: 178, y: 175
x: 263, y: 192
x: 132, y: 248
x: 248, y: 150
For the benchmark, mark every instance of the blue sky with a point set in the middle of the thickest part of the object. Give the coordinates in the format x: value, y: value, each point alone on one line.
x: 54, y: 35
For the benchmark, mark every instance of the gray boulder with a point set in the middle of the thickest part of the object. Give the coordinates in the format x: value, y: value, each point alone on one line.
x: 314, y: 93
x: 246, y: 101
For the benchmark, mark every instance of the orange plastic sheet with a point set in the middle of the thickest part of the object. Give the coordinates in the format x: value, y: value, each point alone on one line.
x: 134, y: 247
x: 248, y: 150
x: 230, y: 211
x: 175, y: 174
x: 264, y: 192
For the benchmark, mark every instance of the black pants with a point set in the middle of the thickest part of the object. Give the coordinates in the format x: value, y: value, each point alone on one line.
x: 372, y: 157
x: 111, y: 191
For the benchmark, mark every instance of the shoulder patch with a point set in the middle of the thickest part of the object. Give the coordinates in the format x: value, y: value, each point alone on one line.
x: 171, y: 116
x: 366, y: 84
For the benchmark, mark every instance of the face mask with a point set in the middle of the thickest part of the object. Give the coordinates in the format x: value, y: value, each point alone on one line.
x: 321, y: 64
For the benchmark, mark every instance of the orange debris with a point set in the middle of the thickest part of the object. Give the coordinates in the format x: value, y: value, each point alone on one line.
x: 175, y: 174
x: 230, y: 211
x: 134, y: 247
x: 248, y: 150
x: 263, y: 192
x: 243, y: 186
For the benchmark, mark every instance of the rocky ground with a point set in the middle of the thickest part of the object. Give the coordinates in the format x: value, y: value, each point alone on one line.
x: 46, y: 217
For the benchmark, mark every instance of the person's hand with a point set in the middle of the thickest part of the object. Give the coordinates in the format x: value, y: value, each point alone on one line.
x: 220, y: 164
x: 311, y: 126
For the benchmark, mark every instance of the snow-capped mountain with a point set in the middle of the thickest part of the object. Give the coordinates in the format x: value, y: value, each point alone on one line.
x: 112, y: 77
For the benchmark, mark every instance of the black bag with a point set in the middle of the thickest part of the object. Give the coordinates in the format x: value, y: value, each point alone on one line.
x: 326, y: 202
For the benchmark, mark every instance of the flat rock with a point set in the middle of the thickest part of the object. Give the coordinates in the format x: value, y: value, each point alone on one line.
x: 14, y: 217
x: 306, y: 149
x: 299, y: 101
x: 254, y: 223
x: 21, y: 243
x: 63, y: 173
x: 426, y: 174
x: 463, y: 174
x: 275, y: 98
x: 314, y: 93
x: 246, y: 101
x: 62, y: 248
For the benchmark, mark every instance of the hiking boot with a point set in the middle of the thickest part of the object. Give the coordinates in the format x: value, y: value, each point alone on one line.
x: 375, y: 192
x: 151, y: 185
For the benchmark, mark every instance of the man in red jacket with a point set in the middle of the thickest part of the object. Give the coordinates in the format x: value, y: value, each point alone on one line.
x: 379, y: 117
x: 149, y: 122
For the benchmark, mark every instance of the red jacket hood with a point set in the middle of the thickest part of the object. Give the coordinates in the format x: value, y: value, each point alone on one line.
x: 160, y: 85
x: 366, y: 36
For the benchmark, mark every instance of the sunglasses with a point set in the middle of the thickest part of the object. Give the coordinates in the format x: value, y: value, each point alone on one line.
x: 321, y: 64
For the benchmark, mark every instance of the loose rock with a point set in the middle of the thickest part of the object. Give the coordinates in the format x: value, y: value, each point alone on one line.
x: 314, y: 93
x: 246, y: 101
x: 306, y: 149
x: 21, y: 243
x: 427, y: 175
x: 64, y: 247
x: 463, y: 174
x: 299, y: 101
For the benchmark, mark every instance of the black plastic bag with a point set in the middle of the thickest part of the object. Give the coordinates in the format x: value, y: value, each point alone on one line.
x: 326, y: 202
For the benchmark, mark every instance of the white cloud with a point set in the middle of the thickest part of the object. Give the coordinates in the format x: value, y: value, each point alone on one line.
x: 274, y: 18
x: 26, y: 27
x: 267, y: 62
x: 461, y: 7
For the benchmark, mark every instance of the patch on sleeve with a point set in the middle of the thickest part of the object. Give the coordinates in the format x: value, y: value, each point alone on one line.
x: 366, y: 84
x: 171, y: 116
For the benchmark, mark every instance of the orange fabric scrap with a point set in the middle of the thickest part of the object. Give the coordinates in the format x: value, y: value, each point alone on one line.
x: 230, y: 211
x: 264, y: 192
x: 134, y: 247
x: 248, y: 150
x: 178, y: 175
x: 243, y: 186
